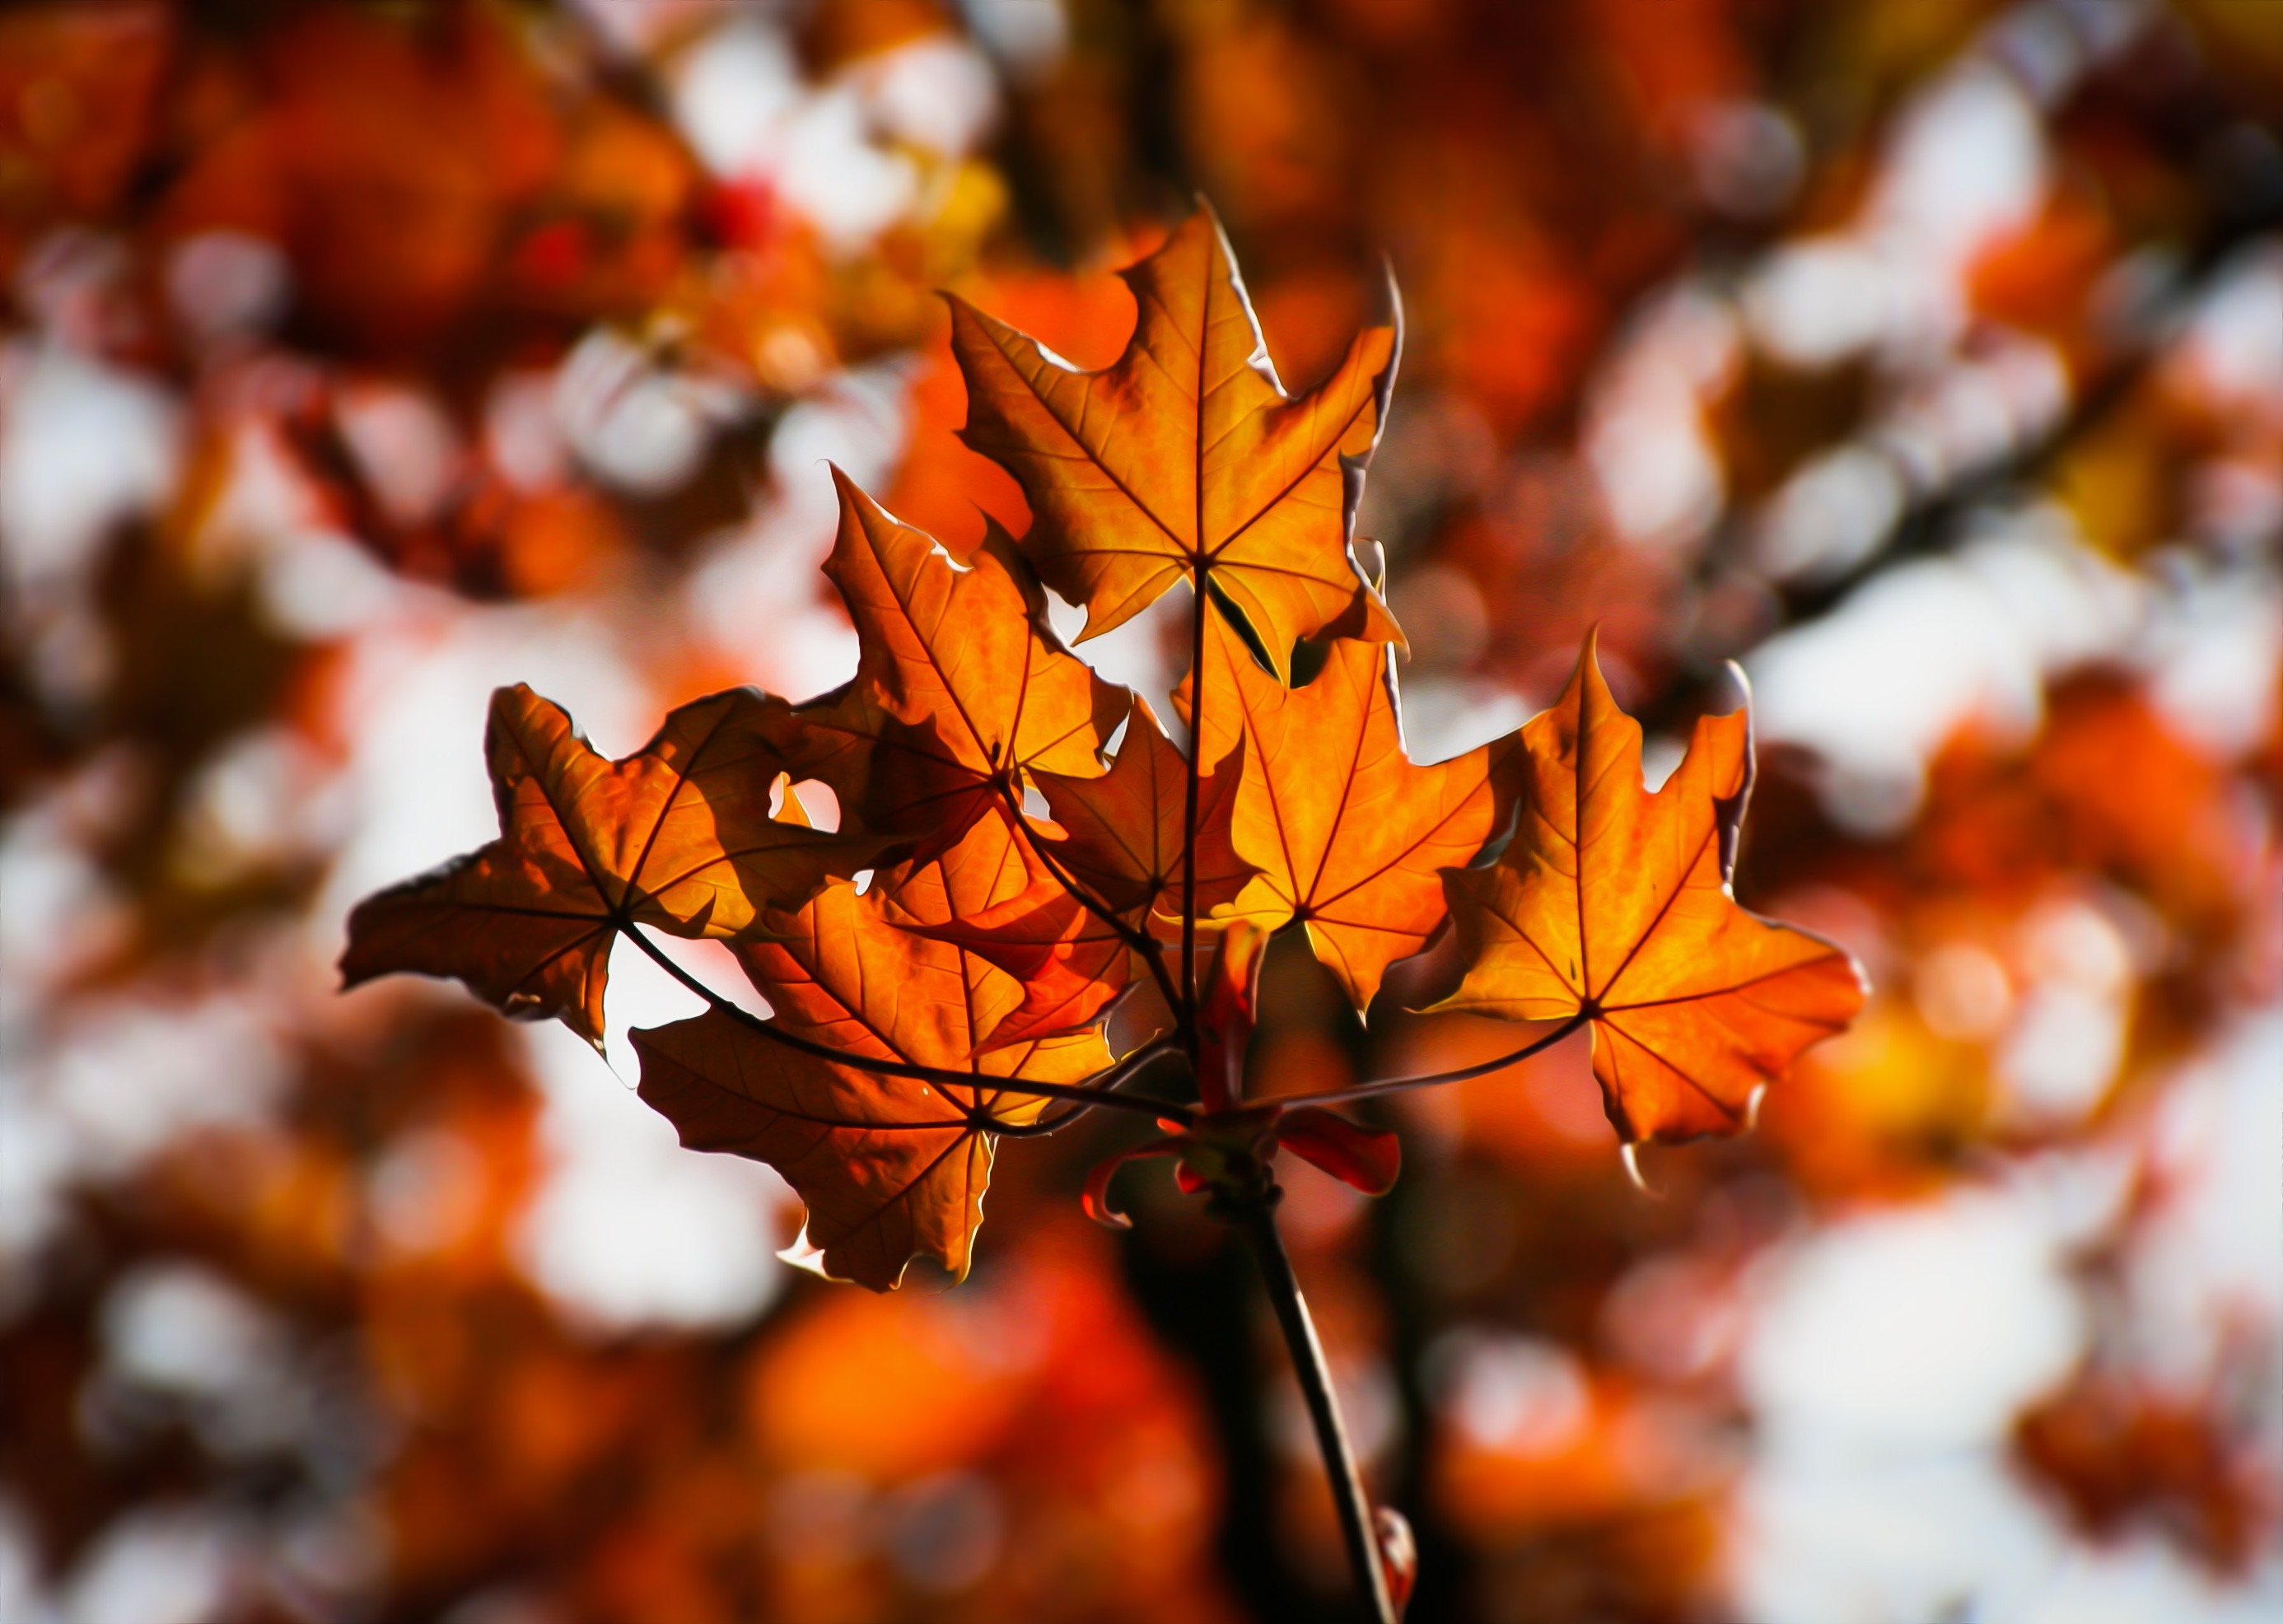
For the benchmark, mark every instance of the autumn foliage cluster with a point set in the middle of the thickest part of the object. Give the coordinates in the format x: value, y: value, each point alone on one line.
x: 959, y: 994
x: 1182, y: 761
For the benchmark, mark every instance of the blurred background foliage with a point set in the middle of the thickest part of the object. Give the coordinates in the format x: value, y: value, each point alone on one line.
x: 1925, y: 356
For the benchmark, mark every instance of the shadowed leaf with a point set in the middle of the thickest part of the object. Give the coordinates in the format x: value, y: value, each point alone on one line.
x: 960, y: 690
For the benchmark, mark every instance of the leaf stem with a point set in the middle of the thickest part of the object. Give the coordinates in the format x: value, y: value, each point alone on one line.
x: 1255, y: 1216
x: 1097, y: 1094
x: 1137, y: 940
x: 1480, y: 1068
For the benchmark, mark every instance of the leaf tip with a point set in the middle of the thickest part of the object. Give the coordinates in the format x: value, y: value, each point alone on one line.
x: 1629, y: 1153
x: 804, y: 1255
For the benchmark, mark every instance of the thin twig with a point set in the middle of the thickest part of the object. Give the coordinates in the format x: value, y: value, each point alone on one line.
x: 1137, y: 940
x: 1256, y: 1217
x: 1095, y: 1093
x: 1480, y: 1068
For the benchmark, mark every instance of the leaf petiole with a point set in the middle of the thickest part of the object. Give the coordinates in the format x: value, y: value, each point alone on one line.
x: 1097, y: 1094
x: 1480, y: 1068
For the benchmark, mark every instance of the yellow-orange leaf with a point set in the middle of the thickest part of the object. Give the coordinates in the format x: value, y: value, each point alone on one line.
x: 889, y: 1167
x: 1347, y: 834
x: 1613, y: 902
x: 677, y: 835
x: 960, y: 690
x: 1187, y: 457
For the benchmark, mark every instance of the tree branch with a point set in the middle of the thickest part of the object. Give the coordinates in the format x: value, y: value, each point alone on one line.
x: 1255, y: 1216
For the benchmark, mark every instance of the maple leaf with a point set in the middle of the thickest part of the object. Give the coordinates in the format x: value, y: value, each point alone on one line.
x: 960, y: 688
x: 1186, y: 459
x: 1120, y: 840
x: 889, y: 1167
x: 677, y: 835
x: 1612, y: 904
x: 1123, y: 834
x: 1348, y: 835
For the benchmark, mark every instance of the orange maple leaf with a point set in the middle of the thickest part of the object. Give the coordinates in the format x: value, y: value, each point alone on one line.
x: 1123, y: 834
x: 1349, y: 836
x: 1611, y: 906
x: 1186, y: 459
x: 1110, y: 873
x: 889, y: 1166
x: 677, y: 835
x: 960, y: 688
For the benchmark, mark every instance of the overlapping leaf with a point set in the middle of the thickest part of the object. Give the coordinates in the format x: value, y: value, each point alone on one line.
x: 678, y: 835
x: 1348, y: 835
x: 1110, y: 869
x: 961, y: 689
x: 1613, y: 903
x: 889, y: 1167
x: 1186, y: 457
x: 1124, y: 832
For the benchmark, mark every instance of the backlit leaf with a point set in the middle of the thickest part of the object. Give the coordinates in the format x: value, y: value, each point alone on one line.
x: 1613, y: 903
x: 1348, y: 835
x: 678, y: 835
x: 960, y: 688
x: 889, y: 1167
x: 1187, y: 457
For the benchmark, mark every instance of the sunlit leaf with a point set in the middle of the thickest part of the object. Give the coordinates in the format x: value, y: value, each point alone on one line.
x: 961, y: 689
x: 1613, y: 903
x: 1187, y: 457
x: 1349, y: 835
x: 889, y: 1167
x: 678, y: 835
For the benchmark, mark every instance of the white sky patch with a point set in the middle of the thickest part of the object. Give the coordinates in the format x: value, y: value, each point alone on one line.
x: 2214, y: 653
x: 1818, y: 300
x: 1905, y: 1334
x: 1884, y: 1358
x: 628, y: 1228
x: 1830, y: 515
x: 1956, y: 1537
x: 825, y: 149
x: 1645, y: 435
x: 155, y: 1568
x: 636, y: 425
x: 759, y: 596
x: 937, y: 92
x: 1965, y: 161
x: 734, y: 93
x: 2205, y: 1262
x: 2234, y: 347
x: 2146, y: 1582
x: 1877, y: 685
x: 124, y: 1080
x: 1443, y: 718
x: 84, y: 445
